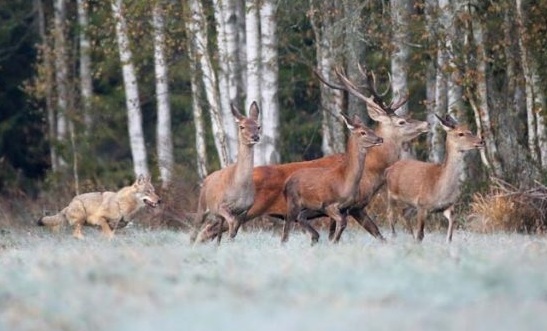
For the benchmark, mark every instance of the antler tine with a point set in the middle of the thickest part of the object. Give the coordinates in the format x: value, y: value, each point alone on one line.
x: 351, y: 88
x: 329, y: 84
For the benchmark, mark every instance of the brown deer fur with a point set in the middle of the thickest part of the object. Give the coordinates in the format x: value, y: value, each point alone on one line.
x: 228, y: 193
x: 329, y: 190
x: 428, y: 186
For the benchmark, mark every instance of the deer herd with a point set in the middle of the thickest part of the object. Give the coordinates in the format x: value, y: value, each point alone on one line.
x: 341, y: 185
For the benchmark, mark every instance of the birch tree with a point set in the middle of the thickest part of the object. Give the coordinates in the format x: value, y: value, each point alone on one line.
x: 400, y: 12
x: 134, y: 115
x: 198, y: 32
x: 252, y: 46
x: 322, y: 17
x: 86, y: 85
x: 164, y: 139
x: 61, y: 76
x: 267, y: 149
x: 535, y: 99
x: 228, y: 62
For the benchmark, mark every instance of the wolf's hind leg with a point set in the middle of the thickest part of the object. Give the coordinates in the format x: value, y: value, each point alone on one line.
x: 78, y: 231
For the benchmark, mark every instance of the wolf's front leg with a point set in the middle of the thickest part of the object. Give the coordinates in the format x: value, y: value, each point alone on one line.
x: 78, y: 231
x: 103, y: 223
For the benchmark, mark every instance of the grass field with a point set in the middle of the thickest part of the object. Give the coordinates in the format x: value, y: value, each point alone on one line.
x: 155, y: 280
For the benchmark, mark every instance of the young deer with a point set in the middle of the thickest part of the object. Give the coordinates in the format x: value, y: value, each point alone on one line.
x: 269, y: 180
x: 228, y: 193
x: 431, y: 187
x: 331, y: 190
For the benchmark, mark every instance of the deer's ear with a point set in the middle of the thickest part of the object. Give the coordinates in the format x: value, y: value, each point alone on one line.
x: 349, y: 123
x: 254, y: 111
x: 237, y: 115
x: 377, y: 113
x: 448, y: 122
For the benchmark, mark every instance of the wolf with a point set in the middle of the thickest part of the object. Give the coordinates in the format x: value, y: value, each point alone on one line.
x: 105, y: 209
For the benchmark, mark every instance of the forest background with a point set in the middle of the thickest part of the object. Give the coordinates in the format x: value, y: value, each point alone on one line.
x: 93, y: 93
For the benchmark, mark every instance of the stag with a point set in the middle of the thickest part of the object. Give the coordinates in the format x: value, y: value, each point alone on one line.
x: 331, y: 190
x: 431, y: 187
x: 228, y: 193
x: 395, y: 130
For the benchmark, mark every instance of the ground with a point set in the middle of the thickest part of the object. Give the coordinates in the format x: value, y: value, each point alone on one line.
x: 155, y: 280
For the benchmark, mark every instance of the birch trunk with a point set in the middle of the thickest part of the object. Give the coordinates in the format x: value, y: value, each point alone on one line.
x: 399, y: 10
x: 197, y: 111
x: 198, y: 31
x: 354, y: 54
x: 86, y: 85
x: 164, y: 138
x: 252, y: 36
x: 535, y: 100
x: 481, y: 109
x: 134, y: 116
x: 267, y: 149
x: 61, y: 75
x: 227, y: 93
x: 331, y: 100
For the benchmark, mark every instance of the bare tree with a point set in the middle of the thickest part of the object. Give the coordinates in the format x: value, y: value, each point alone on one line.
x: 86, y: 85
x: 134, y: 115
x: 164, y: 139
x: 323, y: 14
x: 61, y: 75
x: 198, y: 32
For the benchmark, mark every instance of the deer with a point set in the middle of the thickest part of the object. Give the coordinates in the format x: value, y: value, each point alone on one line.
x: 395, y: 130
x: 228, y: 193
x: 330, y: 190
x: 431, y: 187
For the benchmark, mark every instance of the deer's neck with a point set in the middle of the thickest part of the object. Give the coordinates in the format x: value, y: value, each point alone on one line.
x: 451, y: 170
x: 354, y: 165
x: 243, y: 173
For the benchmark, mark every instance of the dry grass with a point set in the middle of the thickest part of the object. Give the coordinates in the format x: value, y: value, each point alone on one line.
x: 506, y: 208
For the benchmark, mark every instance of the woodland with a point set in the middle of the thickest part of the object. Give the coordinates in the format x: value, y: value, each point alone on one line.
x: 94, y: 93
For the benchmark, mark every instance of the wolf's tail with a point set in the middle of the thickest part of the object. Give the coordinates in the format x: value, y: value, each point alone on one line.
x: 52, y: 220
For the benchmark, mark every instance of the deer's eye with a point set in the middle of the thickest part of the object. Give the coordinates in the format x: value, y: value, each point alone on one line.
x: 461, y: 134
x: 241, y: 127
x: 259, y: 127
x: 402, y: 122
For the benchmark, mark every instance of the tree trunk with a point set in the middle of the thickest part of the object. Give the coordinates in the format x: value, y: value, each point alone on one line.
x: 252, y: 35
x: 134, y: 116
x: 61, y: 75
x: 197, y: 111
x: 354, y: 54
x: 482, y: 110
x: 227, y: 89
x: 400, y: 12
x: 267, y: 149
x: 197, y: 30
x: 535, y: 100
x: 164, y: 139
x: 86, y: 85
x: 322, y: 17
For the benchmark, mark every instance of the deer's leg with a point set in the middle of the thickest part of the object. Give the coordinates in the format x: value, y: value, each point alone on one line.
x: 341, y: 221
x: 292, y: 213
x: 332, y: 229
x: 198, y: 222
x: 233, y: 223
x: 303, y: 220
x: 390, y: 217
x: 421, y: 222
x: 448, y: 214
x: 362, y: 218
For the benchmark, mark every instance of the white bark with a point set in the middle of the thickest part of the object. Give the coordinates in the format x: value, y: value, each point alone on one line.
x: 252, y: 36
x: 399, y: 57
x: 482, y: 111
x: 61, y: 73
x: 164, y: 138
x: 331, y: 100
x: 197, y: 111
x: 227, y: 88
x: 197, y: 29
x: 134, y: 116
x: 86, y: 85
x: 266, y: 151
x: 535, y: 100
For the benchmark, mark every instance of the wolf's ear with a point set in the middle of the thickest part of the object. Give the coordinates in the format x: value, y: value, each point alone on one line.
x: 141, y: 179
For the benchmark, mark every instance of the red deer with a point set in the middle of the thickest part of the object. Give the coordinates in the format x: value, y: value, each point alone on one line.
x: 330, y: 190
x: 269, y: 180
x: 431, y: 187
x: 228, y: 193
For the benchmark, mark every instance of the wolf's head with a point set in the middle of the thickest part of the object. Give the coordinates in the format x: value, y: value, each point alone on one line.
x: 145, y: 191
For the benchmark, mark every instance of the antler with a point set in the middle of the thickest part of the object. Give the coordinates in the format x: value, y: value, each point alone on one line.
x: 377, y: 100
